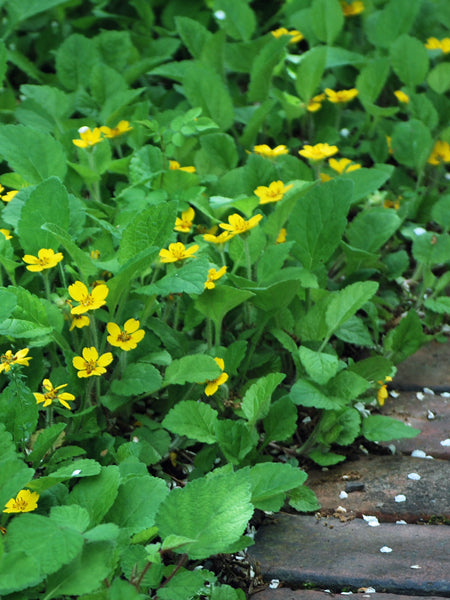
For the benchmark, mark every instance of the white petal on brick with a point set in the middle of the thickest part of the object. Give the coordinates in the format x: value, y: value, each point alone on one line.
x: 343, y: 495
x: 274, y: 584
x: 414, y: 476
x: 445, y: 442
x: 420, y: 395
x: 428, y: 391
x: 415, y: 567
x: 400, y: 498
x: 401, y: 522
x: 430, y: 415
x: 371, y: 521
x: 385, y: 549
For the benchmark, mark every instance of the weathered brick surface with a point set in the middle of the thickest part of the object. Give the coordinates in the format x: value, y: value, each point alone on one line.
x: 334, y: 555
x: 383, y: 478
x: 287, y: 594
x: 428, y: 367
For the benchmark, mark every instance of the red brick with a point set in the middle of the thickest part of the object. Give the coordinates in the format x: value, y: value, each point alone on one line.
x: 287, y: 594
x: 428, y: 367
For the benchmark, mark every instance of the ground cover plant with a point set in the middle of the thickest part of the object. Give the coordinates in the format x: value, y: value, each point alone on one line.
x: 223, y: 225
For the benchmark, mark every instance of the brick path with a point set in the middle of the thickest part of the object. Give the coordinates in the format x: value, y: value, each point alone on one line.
x: 338, y: 551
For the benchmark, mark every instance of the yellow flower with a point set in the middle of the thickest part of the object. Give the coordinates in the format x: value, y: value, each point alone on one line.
x: 127, y: 339
x: 401, y: 96
x: 281, y: 238
x: 79, y: 321
x: 440, y: 153
x: 91, y: 363
x: 19, y: 358
x: 46, y: 259
x: 268, y: 152
x: 325, y: 177
x: 95, y: 254
x: 112, y: 132
x: 9, y: 195
x: 353, y: 8
x: 185, y: 223
x: 273, y: 193
x: 318, y: 152
x: 177, y: 251
x: 25, y: 501
x: 213, y: 386
x: 88, y: 137
x: 315, y: 103
x: 6, y: 233
x: 218, y: 239
x: 213, y: 276
x: 392, y: 203
x: 237, y: 225
x: 340, y: 96
x: 295, y: 35
x: 175, y: 166
x: 382, y: 393
x: 52, y: 393
x: 88, y: 300
x: 435, y: 44
x: 343, y: 165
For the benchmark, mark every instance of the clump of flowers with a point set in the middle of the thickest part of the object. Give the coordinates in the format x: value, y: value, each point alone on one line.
x: 296, y: 36
x: 53, y: 393
x: 218, y: 239
x: 351, y: 9
x: 19, y: 358
x: 46, y: 259
x: 87, y: 300
x: 90, y: 363
x: 212, y: 386
x: 88, y: 137
x: 268, y: 152
x: 176, y: 252
x: 341, y: 96
x: 237, y: 224
x: 272, y: 193
x: 315, y: 103
x: 184, y: 224
x: 25, y: 501
x: 318, y: 152
x: 6, y: 233
x: 440, y: 153
x: 9, y: 195
x: 343, y: 165
x: 435, y: 44
x: 126, y: 338
x: 213, y: 276
x: 175, y: 166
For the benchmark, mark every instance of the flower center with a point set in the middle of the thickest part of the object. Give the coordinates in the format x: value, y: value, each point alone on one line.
x: 87, y: 300
x: 6, y: 359
x: 90, y: 366
x: 123, y: 337
x: 20, y: 504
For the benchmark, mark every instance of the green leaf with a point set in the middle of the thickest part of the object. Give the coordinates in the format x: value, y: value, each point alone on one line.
x: 371, y: 228
x: 217, y: 155
x: 82, y: 260
x: 373, y: 369
x: 270, y: 482
x: 193, y: 34
x: 339, y: 427
x: 73, y: 517
x: 18, y: 571
x: 440, y: 305
x: 18, y: 410
x: 194, y: 368
x: 309, y: 72
x: 76, y: 57
x: 439, y: 78
x: 146, y: 164
x: 44, y: 442
x: 441, y: 212
x: 216, y: 303
x: 195, y: 420
x: 29, y: 8
x: 318, y: 221
x: 3, y: 61
x: 256, y: 402
x: 8, y: 303
x: 303, y: 499
x: 138, y: 378
x: 137, y: 503
x: 235, y: 439
x: 321, y: 367
x: 14, y: 473
x: 263, y: 67
x: 151, y: 227
x: 409, y: 60
x: 304, y: 393
x: 185, y: 584
x: 97, y: 494
x: 367, y: 181
x: 327, y: 19
x: 188, y: 279
x: 378, y: 428
x: 405, y: 339
x: 213, y: 511
x: 384, y: 27
x: 371, y: 79
x: 326, y: 459
x: 44, y: 156
x: 412, y: 143
x: 281, y: 421
x: 347, y: 302
x: 354, y: 331
x: 431, y: 248
x: 83, y: 467
x: 239, y: 22
x: 348, y: 385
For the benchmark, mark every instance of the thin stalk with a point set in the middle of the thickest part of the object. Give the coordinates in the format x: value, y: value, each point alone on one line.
x: 248, y: 259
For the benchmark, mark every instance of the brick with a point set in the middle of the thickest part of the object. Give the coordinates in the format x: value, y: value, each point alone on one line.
x: 287, y: 594
x: 334, y: 555
x: 428, y: 367
x: 383, y: 478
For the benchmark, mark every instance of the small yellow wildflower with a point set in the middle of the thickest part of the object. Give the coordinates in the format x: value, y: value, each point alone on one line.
x: 46, y: 259
x: 315, y: 103
x: 318, y: 152
x: 95, y: 254
x: 273, y: 193
x: 343, y: 165
x: 25, y: 501
x: 6, y: 233
x: 90, y: 363
x: 341, y: 96
x: 295, y: 35
x: 51, y: 393
x: 88, y: 300
x: 112, y: 132
x: 351, y: 9
x: 281, y: 238
x: 268, y: 152
x: 392, y: 203
x: 213, y: 276
x: 175, y: 166
x: 237, y: 225
x: 177, y: 251
x: 79, y: 321
x: 218, y: 239
x: 19, y: 358
x: 324, y: 177
x: 435, y: 44
x: 382, y: 393
x: 88, y: 137
x: 401, y: 96
x: 213, y: 386
x: 185, y: 223
x: 127, y: 339
x: 440, y: 153
x: 9, y: 195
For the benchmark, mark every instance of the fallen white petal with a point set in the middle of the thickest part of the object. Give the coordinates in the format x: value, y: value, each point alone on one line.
x: 445, y: 394
x: 400, y: 498
x: 341, y: 509
x: 414, y: 476
x: 401, y: 522
x: 385, y: 549
x: 420, y: 395
x: 344, y: 495
x: 430, y: 415
x: 274, y: 584
x: 394, y: 394
x: 428, y: 391
x: 445, y: 442
x: 220, y: 15
x: 76, y: 472
x: 346, y: 593
x: 415, y: 567
x: 419, y: 230
x: 371, y: 521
